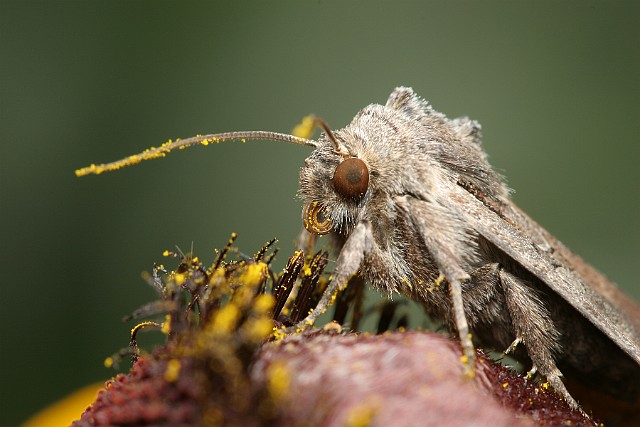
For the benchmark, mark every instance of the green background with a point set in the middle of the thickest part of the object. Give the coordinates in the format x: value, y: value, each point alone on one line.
x: 555, y: 87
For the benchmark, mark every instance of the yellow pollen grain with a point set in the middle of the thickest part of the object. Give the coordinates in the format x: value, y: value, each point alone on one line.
x: 217, y: 276
x: 172, y: 372
x: 279, y: 380
x: 304, y: 129
x: 263, y: 303
x: 179, y: 278
x: 166, y: 325
x: 254, y: 274
x: 226, y: 319
x: 278, y: 333
x: 361, y: 415
x: 108, y: 362
x: 258, y: 329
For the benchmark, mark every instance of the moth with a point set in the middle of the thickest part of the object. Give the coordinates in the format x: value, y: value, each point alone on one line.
x: 413, y: 206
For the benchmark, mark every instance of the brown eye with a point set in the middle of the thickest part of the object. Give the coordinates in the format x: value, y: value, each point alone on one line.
x: 315, y: 220
x: 351, y: 178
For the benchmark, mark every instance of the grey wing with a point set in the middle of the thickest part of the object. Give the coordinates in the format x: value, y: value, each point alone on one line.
x: 589, y: 275
x: 508, y: 235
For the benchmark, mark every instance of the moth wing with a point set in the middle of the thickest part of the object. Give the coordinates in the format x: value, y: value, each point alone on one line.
x: 511, y: 234
x: 587, y: 274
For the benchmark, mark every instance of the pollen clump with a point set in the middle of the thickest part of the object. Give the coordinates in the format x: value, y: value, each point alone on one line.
x: 179, y: 278
x: 254, y: 274
x: 108, y: 362
x: 172, y: 371
x: 166, y: 325
x: 225, y: 320
x: 304, y: 129
x: 257, y: 330
x: 362, y: 415
x: 279, y: 380
x: 263, y: 303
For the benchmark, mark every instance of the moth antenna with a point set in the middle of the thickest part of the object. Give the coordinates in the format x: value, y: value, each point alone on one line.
x: 325, y: 127
x: 167, y: 147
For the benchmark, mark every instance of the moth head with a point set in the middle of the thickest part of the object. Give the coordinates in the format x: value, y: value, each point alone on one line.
x: 334, y: 185
x: 332, y: 195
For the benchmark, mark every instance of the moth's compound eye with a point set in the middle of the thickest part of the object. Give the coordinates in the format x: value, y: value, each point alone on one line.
x: 315, y: 219
x: 351, y: 178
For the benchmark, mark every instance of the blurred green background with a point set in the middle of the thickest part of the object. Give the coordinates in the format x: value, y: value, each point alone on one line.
x: 555, y: 87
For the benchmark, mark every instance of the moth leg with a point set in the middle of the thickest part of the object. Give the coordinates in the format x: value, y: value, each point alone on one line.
x: 468, y: 352
x: 513, y: 345
x: 455, y: 276
x: 531, y: 322
x: 449, y: 258
x: 351, y: 256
